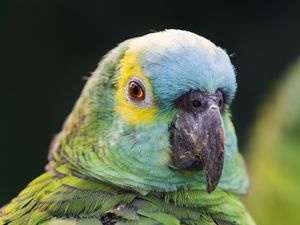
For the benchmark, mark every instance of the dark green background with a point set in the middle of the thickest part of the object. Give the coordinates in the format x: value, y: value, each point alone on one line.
x: 48, y: 46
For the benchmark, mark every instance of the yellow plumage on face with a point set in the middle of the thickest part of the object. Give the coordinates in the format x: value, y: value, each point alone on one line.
x: 133, y: 113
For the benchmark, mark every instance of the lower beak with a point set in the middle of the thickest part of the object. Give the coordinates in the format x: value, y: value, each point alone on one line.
x: 197, y: 141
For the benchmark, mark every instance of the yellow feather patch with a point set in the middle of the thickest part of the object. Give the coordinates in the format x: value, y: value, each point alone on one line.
x: 130, y: 67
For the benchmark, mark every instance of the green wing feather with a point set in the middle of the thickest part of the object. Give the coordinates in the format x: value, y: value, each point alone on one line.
x: 68, y: 199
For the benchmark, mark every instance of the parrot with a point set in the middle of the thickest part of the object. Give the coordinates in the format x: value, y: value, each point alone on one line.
x: 274, y: 151
x: 149, y: 141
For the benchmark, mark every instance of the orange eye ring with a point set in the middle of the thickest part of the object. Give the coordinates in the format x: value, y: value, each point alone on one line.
x: 136, y: 91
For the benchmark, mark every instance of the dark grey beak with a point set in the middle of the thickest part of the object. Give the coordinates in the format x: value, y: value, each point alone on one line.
x: 197, y: 136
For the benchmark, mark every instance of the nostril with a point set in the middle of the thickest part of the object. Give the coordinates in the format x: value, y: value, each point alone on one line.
x: 220, y: 103
x: 196, y: 103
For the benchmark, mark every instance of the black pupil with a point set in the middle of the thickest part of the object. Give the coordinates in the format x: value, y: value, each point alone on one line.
x: 135, y: 89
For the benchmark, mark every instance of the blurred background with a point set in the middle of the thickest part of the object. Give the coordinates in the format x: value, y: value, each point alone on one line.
x: 47, y: 47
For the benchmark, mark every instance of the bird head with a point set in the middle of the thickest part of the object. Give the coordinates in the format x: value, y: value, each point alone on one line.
x: 154, y: 116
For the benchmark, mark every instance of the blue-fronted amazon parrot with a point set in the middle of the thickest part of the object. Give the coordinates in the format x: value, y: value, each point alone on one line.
x: 274, y: 154
x: 150, y: 141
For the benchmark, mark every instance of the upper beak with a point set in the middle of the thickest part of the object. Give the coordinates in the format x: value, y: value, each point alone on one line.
x: 197, y: 137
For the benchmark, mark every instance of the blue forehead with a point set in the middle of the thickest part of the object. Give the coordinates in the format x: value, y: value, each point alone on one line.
x: 178, y: 69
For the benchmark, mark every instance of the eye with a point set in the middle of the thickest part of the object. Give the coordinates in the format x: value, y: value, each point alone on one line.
x: 136, y: 91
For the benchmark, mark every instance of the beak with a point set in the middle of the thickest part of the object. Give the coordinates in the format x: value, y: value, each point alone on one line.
x: 197, y: 136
